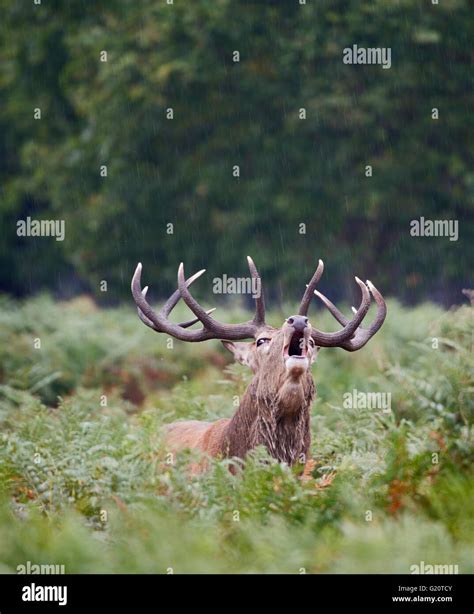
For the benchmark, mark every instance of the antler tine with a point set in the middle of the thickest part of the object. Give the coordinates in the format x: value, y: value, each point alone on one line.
x: 142, y: 316
x: 308, y: 295
x: 336, y: 339
x: 191, y: 302
x: 381, y: 311
x: 170, y: 304
x: 361, y: 335
x: 259, y: 317
x: 174, y: 298
x: 341, y: 318
x: 189, y: 323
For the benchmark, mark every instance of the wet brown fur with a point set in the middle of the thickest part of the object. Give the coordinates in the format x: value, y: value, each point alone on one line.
x: 274, y: 412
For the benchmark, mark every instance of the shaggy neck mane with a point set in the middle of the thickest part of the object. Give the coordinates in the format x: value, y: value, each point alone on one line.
x: 264, y: 419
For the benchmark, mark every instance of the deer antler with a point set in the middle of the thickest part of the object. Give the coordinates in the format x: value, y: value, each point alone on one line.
x: 352, y: 337
x: 211, y: 329
x: 361, y: 335
x: 170, y: 304
x: 308, y: 295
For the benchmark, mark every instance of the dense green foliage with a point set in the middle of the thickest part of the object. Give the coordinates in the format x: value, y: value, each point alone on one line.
x: 63, y: 464
x: 226, y: 113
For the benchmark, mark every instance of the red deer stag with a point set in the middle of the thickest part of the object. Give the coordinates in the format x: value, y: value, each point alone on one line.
x: 275, y: 409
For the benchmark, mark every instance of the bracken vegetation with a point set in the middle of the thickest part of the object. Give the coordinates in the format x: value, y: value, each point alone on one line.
x: 85, y: 481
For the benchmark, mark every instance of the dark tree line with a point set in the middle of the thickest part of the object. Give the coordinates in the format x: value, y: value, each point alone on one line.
x: 171, y: 115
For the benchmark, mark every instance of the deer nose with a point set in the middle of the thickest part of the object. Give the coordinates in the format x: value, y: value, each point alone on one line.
x: 299, y: 323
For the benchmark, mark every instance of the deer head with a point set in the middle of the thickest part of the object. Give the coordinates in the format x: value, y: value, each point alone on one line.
x: 275, y: 408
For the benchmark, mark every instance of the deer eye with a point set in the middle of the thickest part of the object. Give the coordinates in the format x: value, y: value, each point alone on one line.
x: 262, y: 341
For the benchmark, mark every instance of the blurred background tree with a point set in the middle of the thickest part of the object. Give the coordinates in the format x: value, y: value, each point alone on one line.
x: 179, y: 171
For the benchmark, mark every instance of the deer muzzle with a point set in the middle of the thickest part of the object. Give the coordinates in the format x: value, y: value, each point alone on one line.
x: 297, y: 333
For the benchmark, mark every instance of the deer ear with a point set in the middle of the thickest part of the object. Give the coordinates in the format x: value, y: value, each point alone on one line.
x: 315, y: 354
x: 242, y: 351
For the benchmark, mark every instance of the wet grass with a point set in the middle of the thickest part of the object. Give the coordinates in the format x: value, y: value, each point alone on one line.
x: 84, y: 478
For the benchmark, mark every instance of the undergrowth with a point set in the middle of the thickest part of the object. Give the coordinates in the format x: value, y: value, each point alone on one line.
x: 85, y: 480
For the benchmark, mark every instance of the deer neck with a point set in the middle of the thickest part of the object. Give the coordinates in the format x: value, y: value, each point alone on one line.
x: 279, y: 421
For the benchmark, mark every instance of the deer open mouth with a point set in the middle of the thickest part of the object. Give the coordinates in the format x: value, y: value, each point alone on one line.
x: 297, y: 346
